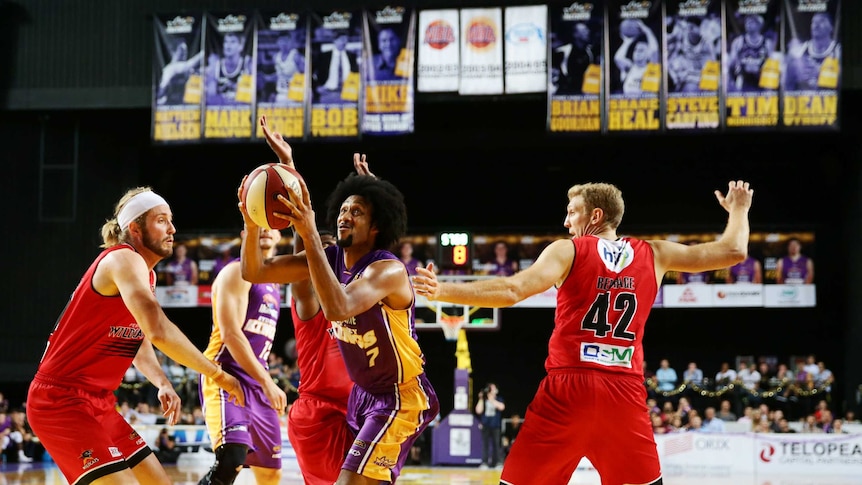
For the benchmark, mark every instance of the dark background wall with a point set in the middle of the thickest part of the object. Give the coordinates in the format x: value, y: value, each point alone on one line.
x: 74, y: 134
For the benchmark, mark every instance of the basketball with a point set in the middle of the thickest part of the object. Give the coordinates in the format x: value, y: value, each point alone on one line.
x: 260, y: 191
x: 629, y: 28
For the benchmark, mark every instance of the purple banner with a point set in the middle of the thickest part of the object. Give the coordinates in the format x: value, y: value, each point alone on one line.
x: 388, y: 58
x: 336, y: 47
x: 693, y: 64
x: 229, y: 80
x: 634, y: 69
x: 177, y: 81
x: 752, y: 68
x: 813, y: 63
x: 576, y: 67
x: 282, y: 81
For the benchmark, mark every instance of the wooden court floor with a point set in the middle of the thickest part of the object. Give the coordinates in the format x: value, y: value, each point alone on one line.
x: 47, y: 474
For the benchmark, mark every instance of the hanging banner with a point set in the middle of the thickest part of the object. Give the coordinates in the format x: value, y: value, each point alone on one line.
x: 282, y: 39
x: 693, y: 65
x: 526, y: 49
x: 439, y: 62
x: 576, y: 67
x: 177, y: 78
x: 481, y: 51
x: 336, y: 47
x: 229, y: 79
x: 813, y: 63
x: 388, y: 53
x: 752, y: 67
x: 634, y: 70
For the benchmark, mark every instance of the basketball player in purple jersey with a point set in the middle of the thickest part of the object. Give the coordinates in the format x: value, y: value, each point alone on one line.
x: 795, y: 268
x: 748, y: 271
x: 747, y: 54
x: 244, y: 321
x: 365, y: 292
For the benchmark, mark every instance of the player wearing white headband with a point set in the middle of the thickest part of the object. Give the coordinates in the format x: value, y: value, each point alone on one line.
x: 113, y: 320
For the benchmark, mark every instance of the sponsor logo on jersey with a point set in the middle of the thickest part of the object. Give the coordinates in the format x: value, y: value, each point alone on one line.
x: 607, y: 355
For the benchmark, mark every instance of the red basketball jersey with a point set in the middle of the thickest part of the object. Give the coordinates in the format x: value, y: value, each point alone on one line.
x: 321, y: 367
x: 95, y: 339
x: 602, y: 307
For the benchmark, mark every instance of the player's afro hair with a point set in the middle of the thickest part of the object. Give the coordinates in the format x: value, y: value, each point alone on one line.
x: 388, y: 211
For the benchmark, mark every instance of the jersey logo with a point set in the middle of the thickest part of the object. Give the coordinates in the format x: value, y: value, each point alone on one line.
x: 617, y: 255
x: 607, y: 355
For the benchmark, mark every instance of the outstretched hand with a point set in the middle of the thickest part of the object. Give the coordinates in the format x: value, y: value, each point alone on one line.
x: 738, y: 196
x: 361, y: 165
x: 425, y: 282
x: 278, y: 144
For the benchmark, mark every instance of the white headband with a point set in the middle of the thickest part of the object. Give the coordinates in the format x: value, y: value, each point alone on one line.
x: 138, y: 205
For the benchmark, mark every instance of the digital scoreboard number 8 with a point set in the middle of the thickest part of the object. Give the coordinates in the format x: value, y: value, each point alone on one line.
x: 455, y: 250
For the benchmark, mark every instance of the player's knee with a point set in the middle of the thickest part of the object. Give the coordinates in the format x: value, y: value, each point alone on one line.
x: 229, y: 461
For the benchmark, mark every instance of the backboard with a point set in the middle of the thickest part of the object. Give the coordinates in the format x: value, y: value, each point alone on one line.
x: 437, y: 314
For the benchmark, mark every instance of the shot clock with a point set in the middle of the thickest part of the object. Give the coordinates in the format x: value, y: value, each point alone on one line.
x: 455, y: 251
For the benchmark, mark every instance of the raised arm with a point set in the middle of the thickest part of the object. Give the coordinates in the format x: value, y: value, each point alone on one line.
x: 729, y: 249
x: 128, y: 273
x: 256, y: 268
x: 230, y: 304
x: 550, y: 269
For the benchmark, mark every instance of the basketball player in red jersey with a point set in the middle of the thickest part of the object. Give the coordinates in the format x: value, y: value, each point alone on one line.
x: 317, y: 421
x: 112, y: 320
x: 606, y: 287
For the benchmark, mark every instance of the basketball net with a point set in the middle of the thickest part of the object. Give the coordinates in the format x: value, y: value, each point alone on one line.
x: 451, y: 326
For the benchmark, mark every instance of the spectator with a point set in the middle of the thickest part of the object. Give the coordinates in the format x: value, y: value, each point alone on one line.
x: 824, y: 378
x: 784, y: 426
x: 168, y: 451
x: 488, y: 407
x: 666, y: 377
x: 838, y: 427
x: 810, y: 425
x: 511, y: 433
x: 695, y: 424
x: 693, y: 375
x: 711, y: 423
x: 724, y: 412
x: 725, y: 376
x: 4, y: 404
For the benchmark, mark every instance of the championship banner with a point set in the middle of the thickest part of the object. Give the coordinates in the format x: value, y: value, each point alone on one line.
x: 812, y: 63
x: 336, y: 47
x: 439, y: 60
x: 282, y: 84
x: 177, y: 78
x: 388, y: 106
x: 229, y: 79
x: 481, y: 51
x: 693, y: 64
x: 526, y: 47
x: 576, y: 67
x: 752, y: 66
x: 635, y: 66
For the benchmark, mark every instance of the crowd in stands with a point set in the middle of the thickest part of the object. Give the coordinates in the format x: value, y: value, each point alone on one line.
x: 764, y: 395
x: 760, y: 396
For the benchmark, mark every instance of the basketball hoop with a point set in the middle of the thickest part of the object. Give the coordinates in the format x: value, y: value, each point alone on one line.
x: 451, y: 326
